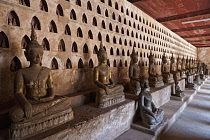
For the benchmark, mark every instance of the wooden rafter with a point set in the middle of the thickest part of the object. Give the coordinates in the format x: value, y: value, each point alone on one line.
x: 182, y: 16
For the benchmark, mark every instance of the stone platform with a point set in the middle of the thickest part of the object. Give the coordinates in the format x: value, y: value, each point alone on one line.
x: 159, y: 95
x: 92, y: 123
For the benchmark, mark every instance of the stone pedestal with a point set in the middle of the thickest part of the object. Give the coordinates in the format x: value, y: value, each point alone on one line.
x: 161, y: 95
x: 153, y: 130
x: 178, y: 98
x: 23, y: 130
x: 92, y: 123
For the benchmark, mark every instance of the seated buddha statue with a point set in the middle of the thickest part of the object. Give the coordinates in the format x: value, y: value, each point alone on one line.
x: 150, y: 115
x: 183, y: 68
x: 178, y: 91
x: 191, y: 67
x: 179, y: 66
x: 134, y: 74
x: 155, y: 80
x: 108, y: 93
x: 176, y: 75
x: 35, y: 96
x: 165, y: 69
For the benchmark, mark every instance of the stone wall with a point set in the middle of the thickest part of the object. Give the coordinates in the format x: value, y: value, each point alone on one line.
x: 203, y: 55
x: 120, y: 25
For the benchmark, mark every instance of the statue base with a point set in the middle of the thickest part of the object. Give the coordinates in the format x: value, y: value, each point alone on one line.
x: 156, y: 84
x: 168, y: 80
x: 23, y: 130
x: 152, y: 129
x: 178, y: 98
x: 111, y: 102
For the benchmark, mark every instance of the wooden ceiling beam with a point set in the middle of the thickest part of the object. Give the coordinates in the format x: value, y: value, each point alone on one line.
x: 182, y: 16
x: 198, y: 40
x: 199, y: 35
x: 191, y: 28
x: 201, y: 46
x: 132, y: 1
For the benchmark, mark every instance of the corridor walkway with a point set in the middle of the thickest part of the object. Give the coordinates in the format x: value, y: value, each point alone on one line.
x: 194, y: 122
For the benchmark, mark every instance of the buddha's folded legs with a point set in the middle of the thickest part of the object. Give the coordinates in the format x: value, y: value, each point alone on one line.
x: 40, y: 109
x: 147, y: 119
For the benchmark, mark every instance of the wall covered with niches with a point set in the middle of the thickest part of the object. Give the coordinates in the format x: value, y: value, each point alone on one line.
x: 71, y: 32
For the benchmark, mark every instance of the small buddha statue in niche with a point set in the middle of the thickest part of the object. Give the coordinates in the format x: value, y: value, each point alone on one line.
x: 155, y: 80
x: 150, y: 115
x: 34, y: 88
x: 108, y: 93
x: 176, y: 75
x: 134, y: 74
x: 165, y: 69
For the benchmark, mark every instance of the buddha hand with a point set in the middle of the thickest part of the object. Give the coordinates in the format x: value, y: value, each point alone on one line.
x: 28, y: 110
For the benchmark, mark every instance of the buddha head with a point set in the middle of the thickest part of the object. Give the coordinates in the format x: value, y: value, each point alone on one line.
x: 151, y: 58
x: 34, y: 51
x: 172, y: 59
x: 102, y: 54
x: 134, y: 56
x: 164, y: 59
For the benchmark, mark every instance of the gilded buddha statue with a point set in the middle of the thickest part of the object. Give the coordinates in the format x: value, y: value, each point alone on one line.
x: 150, y: 115
x: 108, y: 93
x: 134, y: 74
x: 34, y: 91
x: 165, y: 69
x: 176, y: 75
x: 155, y: 80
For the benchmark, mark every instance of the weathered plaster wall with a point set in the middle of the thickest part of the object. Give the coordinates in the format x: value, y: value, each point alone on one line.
x: 203, y: 55
x: 140, y: 31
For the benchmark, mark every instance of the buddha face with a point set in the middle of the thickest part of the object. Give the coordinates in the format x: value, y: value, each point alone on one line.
x: 135, y: 59
x: 102, y: 58
x: 34, y: 55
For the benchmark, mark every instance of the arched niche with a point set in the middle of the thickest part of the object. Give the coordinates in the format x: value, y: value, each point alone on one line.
x: 53, y: 27
x: 85, y: 48
x: 25, y: 2
x: 45, y: 44
x: 79, y: 32
x: 68, y: 64
x: 61, y: 46
x: 36, y: 23
x: 54, y: 64
x: 91, y: 65
x: 80, y: 64
x: 15, y: 64
x: 67, y: 30
x: 74, y: 47
x: 43, y: 5
x: 25, y: 41
x: 59, y: 10
x: 13, y: 19
x: 4, y: 42
x: 73, y: 15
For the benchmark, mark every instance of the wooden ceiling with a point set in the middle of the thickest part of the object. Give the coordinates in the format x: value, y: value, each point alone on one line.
x: 171, y: 13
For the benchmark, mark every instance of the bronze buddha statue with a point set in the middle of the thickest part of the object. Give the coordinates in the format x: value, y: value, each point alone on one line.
x: 183, y: 68
x: 188, y: 80
x: 108, y: 93
x: 176, y: 75
x: 34, y: 92
x: 150, y: 115
x: 134, y: 74
x: 155, y: 80
x: 165, y: 69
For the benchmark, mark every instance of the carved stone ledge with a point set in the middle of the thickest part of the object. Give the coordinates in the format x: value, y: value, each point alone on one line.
x: 26, y: 129
x: 112, y: 102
